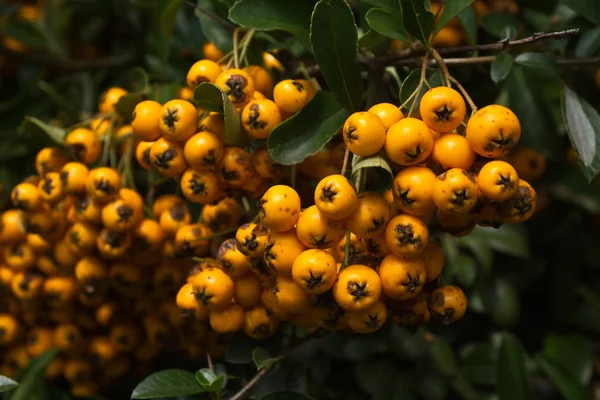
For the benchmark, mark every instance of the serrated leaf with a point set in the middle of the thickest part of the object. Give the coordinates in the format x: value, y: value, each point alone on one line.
x: 583, y: 125
x: 308, y: 131
x: 589, y: 43
x: 451, y: 9
x: 388, y: 23
x: 263, y: 358
x: 34, y: 129
x: 513, y: 378
x: 210, y: 97
x: 418, y: 21
x: 589, y: 9
x: 214, y: 31
x: 293, y: 16
x: 32, y: 374
x: 568, y: 386
x: 468, y: 20
x: 375, y: 161
x: 7, y: 384
x: 334, y: 41
x: 167, y: 383
x: 537, y: 60
x: 501, y: 67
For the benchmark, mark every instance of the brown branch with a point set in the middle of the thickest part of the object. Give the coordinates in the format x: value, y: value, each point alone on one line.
x: 250, y: 384
x: 569, y: 62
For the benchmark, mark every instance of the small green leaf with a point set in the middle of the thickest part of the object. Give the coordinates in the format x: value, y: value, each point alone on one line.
x: 451, y: 10
x: 263, y: 358
x: 210, y: 97
x: 375, y: 161
x: 418, y: 21
x: 513, y: 378
x: 59, y: 98
x: 509, y: 32
x: 213, y: 29
x: 536, y: 60
x: 376, y: 42
x: 32, y: 374
x: 573, y: 352
x: 140, y: 82
x: 495, y: 23
x: 388, y: 23
x: 411, y: 83
x: 290, y: 15
x: 308, y: 131
x: 34, y: 129
x: 127, y: 103
x: 468, y: 20
x: 501, y: 67
x: 583, y: 125
x: 568, y: 386
x: 589, y: 43
x: 167, y: 383
x: 335, y: 45
x: 285, y: 395
x: 589, y: 9
x: 443, y: 357
x: 210, y: 381
x: 7, y: 384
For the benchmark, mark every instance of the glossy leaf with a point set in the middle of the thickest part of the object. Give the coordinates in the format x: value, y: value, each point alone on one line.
x: 167, y: 383
x: 263, y: 358
x: 589, y: 43
x: 513, y: 378
x: 589, y: 9
x: 210, y: 97
x: 7, y: 384
x: 501, y: 67
x: 451, y: 10
x: 573, y: 353
x: 537, y: 60
x: 418, y: 21
x: 214, y: 31
x: 468, y: 20
x: 209, y: 380
x: 334, y: 42
x: 32, y: 374
x: 443, y: 356
x: 388, y: 23
x: 285, y: 395
x: 566, y: 384
x: 308, y: 131
x: 583, y: 124
x: 35, y: 130
x: 496, y: 22
x: 290, y: 15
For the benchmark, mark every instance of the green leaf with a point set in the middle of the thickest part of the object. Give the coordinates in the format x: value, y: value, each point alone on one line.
x: 213, y: 29
x: 481, y: 249
x: 411, y: 83
x: 495, y: 23
x: 513, y: 378
x: 508, y: 239
x: 24, y: 32
x: 35, y: 130
x: 263, y: 358
x: 308, y: 131
x: 33, y: 374
x: 573, y: 353
x: 418, y: 21
x: 7, y: 384
x: 388, y: 23
x: 59, y: 98
x: 443, y: 357
x: 375, y: 161
x: 240, y: 350
x: 388, y: 4
x: 451, y: 10
x: 468, y: 20
x: 167, y: 17
x: 140, y: 82
x: 373, y: 373
x: 285, y: 395
x: 209, y: 380
x: 568, y: 386
x: 126, y: 104
x: 335, y: 45
x: 464, y: 270
x: 376, y: 42
x: 583, y: 125
x: 589, y: 9
x: 167, y: 383
x: 537, y: 60
x: 290, y: 15
x: 501, y: 67
x: 502, y: 301
x: 210, y: 97
x: 589, y: 43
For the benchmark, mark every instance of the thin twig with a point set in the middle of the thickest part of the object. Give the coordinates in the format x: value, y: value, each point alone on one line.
x: 465, y: 93
x: 209, y: 362
x: 246, y: 43
x: 250, y: 384
x: 442, y: 65
x: 345, y: 164
x: 211, y: 14
x: 420, y: 86
x: 567, y: 62
x: 236, y: 55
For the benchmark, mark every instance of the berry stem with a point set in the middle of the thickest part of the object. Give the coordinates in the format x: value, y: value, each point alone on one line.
x: 442, y: 65
x: 465, y: 93
x: 107, y: 139
x: 420, y: 86
x: 293, y: 176
x: 346, y: 250
x: 245, y: 44
x: 345, y: 164
x: 236, y: 55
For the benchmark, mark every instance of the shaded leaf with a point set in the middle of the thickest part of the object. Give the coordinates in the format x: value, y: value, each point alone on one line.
x: 508, y: 239
x: 388, y: 23
x: 388, y: 4
x: 214, y: 30
x: 240, y: 350
x: 495, y: 23
x: 34, y: 129
x: 7, y: 384
x: 589, y: 9
x: 167, y: 17
x: 167, y: 383
x: 374, y: 41
x: 501, y: 67
x: 451, y: 10
x: 263, y: 358
x: 23, y: 32
x: 375, y: 161
x: 32, y: 375
x: 573, y: 352
x: 589, y: 43
x: 468, y: 20
x: 373, y: 373
x: 411, y: 83
x: 443, y: 356
x: 418, y: 21
x: 536, y: 60
x: 568, y: 386
x: 285, y: 395
x: 583, y: 125
x: 502, y: 301
x: 334, y: 42
x: 210, y: 97
x: 308, y: 131
x: 290, y: 15
x: 465, y: 270
x: 139, y: 80
x: 127, y: 103
x: 210, y: 381
x: 513, y: 378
